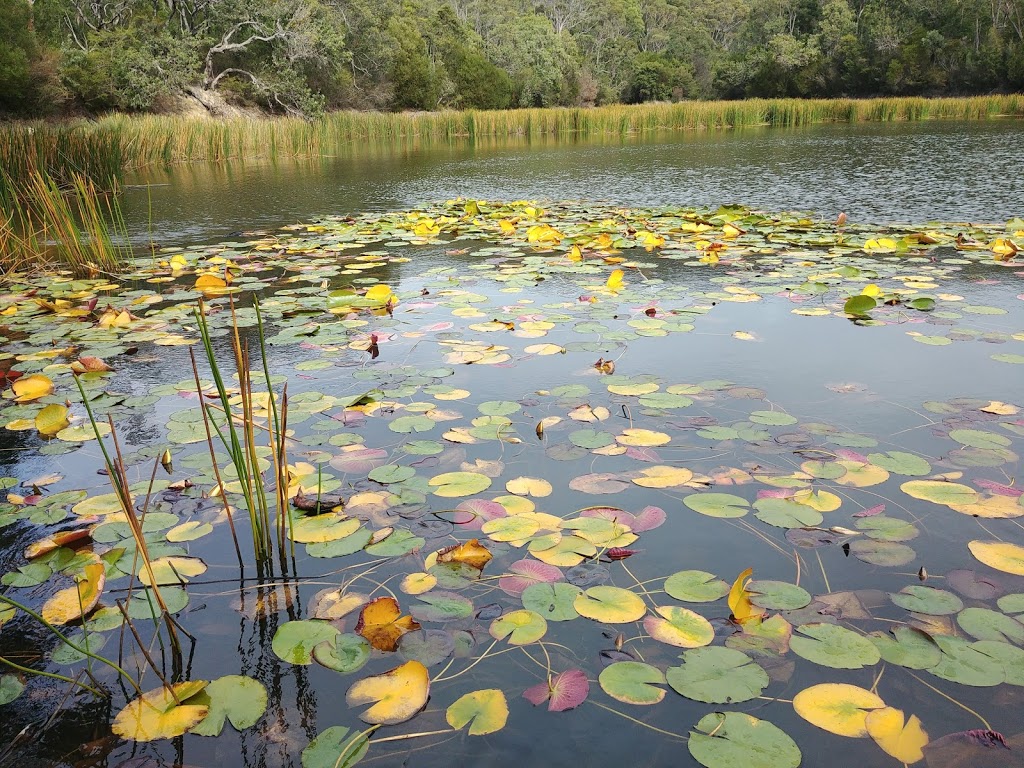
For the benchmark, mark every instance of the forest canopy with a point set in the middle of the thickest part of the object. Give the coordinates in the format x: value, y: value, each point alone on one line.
x: 305, y: 56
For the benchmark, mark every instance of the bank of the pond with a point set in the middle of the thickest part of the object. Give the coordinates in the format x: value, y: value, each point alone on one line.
x: 103, y: 149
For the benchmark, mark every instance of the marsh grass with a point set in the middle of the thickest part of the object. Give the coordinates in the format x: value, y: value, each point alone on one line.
x: 104, y: 149
x: 236, y: 425
x: 71, y: 226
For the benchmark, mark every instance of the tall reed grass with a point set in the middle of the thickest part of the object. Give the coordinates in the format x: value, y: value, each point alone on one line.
x: 72, y: 226
x: 103, y: 149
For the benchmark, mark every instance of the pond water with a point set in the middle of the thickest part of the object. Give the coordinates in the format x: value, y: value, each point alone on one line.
x: 626, y: 407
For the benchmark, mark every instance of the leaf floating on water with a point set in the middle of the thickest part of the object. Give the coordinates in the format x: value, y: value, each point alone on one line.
x: 472, y: 553
x: 382, y: 624
x: 610, y: 605
x: 29, y: 388
x: 335, y: 748
x: 294, y: 641
x: 75, y: 602
x: 156, y: 714
x: 838, y: 708
x: 743, y: 610
x: 1001, y: 555
x: 236, y: 699
x: 901, y: 739
x: 567, y: 691
x: 733, y: 739
x: 485, y: 711
x: 633, y: 682
x: 717, y: 675
x: 397, y: 695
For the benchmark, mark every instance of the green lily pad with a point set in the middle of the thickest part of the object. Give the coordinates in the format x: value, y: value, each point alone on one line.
x: 236, y: 699
x: 345, y: 653
x: 921, y: 599
x: 717, y: 675
x: 778, y: 595
x: 632, y: 682
x: 908, y: 647
x: 833, y: 646
x: 336, y: 747
x: 696, y: 586
x: 985, y: 624
x: 717, y: 504
x: 294, y: 641
x: 731, y: 739
x: 555, y: 601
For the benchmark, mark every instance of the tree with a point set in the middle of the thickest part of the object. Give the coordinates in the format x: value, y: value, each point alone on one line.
x: 16, y: 54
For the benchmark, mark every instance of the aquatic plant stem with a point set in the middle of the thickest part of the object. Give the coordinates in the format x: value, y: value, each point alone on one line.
x: 53, y: 675
x: 67, y: 642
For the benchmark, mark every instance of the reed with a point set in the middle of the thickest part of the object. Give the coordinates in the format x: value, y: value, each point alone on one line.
x: 236, y: 424
x: 102, y: 150
x: 72, y: 226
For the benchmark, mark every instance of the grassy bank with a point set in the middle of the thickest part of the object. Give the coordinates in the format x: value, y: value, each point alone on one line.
x: 102, y: 149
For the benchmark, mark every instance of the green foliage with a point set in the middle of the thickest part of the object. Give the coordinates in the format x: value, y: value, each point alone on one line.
x: 16, y: 54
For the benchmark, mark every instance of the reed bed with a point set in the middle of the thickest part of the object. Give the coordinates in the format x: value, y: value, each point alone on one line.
x: 103, y: 149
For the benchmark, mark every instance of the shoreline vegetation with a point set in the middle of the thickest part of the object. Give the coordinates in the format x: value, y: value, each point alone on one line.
x: 54, y: 172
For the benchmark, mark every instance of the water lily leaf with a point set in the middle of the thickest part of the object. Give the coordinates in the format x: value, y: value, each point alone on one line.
x: 485, y: 711
x: 610, y: 605
x: 963, y: 663
x: 144, y: 605
x: 859, y: 305
x: 696, y: 586
x: 10, y: 688
x: 156, y: 714
x: 591, y: 439
x: 553, y: 601
x: 345, y: 653
x: 29, y: 388
x: 236, y: 699
x: 901, y: 463
x: 398, y: 694
x: 320, y: 529
x: 642, y: 438
x: 520, y: 627
x: 382, y: 624
x: 833, y: 646
x: 663, y: 477
x: 985, y: 624
x: 52, y: 419
x: 442, y: 606
x: 1010, y: 656
x: 717, y: 504
x: 886, y: 553
x: 529, y: 486
x: 512, y: 528
x: 455, y: 484
x: 717, y: 675
x: 838, y: 708
x: 391, y: 473
x: 75, y: 602
x: 632, y: 682
x: 861, y: 474
x: 1001, y: 555
x: 294, y: 641
x: 940, y: 492
x: 777, y: 595
x: 680, y: 627
x: 921, y: 599
x: 977, y: 438
x: 728, y: 739
x: 472, y: 553
x: 525, y: 573
x: 189, y: 531
x: 567, y: 690
x: 907, y: 647
x: 786, y: 513
x: 598, y: 483
x: 427, y: 646
x: 899, y: 738
x: 172, y: 570
x: 335, y: 747
x: 743, y: 610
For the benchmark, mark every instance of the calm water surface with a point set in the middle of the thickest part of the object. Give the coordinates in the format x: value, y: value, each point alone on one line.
x: 869, y: 381
x: 876, y: 173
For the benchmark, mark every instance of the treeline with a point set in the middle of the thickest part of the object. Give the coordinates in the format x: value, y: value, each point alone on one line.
x: 305, y: 56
